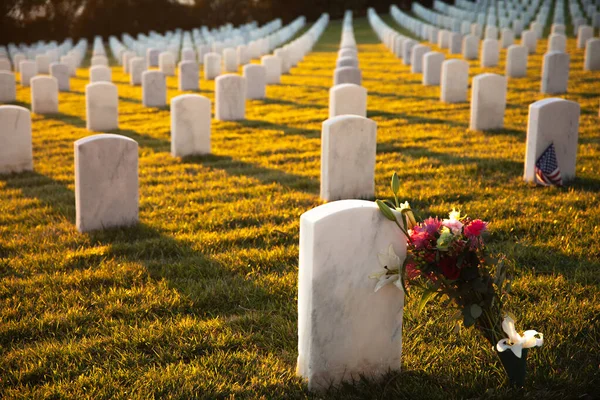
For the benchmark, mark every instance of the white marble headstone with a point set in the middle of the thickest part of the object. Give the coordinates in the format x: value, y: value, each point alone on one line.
x: 488, y: 102
x: 557, y: 42
x: 490, y: 53
x: 256, y: 81
x: 273, y: 66
x: 470, y: 47
x: 137, y: 66
x: 230, y: 60
x: 348, y: 147
x: 189, y: 76
x: 154, y: 89
x: 15, y: 139
x: 516, y: 61
x: 28, y: 70
x: 347, y: 75
x: 44, y: 95
x: 106, y: 182
x: 432, y: 68
x: 529, y: 39
x: 212, y: 66
x: 166, y: 63
x: 100, y: 73
x: 345, y: 330
x: 455, y: 46
x: 584, y: 33
x: 455, y: 81
x: 555, y: 72
x: 152, y: 57
x: 42, y: 63
x: 230, y: 97
x: 99, y: 60
x: 61, y: 73
x: 592, y: 55
x: 416, y: 64
x: 102, y: 107
x: 554, y: 121
x: 190, y: 125
x: 8, y: 87
x: 347, y: 98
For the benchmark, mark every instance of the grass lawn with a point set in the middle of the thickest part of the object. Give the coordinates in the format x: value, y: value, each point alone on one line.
x: 199, y: 300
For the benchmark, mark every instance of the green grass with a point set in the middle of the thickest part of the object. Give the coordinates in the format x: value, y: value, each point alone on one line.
x: 199, y: 300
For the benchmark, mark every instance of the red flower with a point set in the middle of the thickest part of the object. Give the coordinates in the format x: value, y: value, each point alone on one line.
x: 411, y: 270
x: 475, y: 228
x: 420, y: 239
x: 449, y: 268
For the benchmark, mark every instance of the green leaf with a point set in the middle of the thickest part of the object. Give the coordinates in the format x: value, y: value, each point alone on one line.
x: 425, y: 297
x: 395, y: 184
x: 385, y: 210
x: 475, y: 311
x: 468, y: 320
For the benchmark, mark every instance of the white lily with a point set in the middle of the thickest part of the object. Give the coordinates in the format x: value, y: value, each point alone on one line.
x: 390, y: 272
x: 516, y: 342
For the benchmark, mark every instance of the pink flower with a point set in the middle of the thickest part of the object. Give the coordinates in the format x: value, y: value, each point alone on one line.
x: 420, y: 239
x: 475, y: 228
x: 453, y: 224
x: 431, y: 225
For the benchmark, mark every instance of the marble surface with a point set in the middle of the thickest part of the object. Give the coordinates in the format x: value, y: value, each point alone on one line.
x: 407, y: 47
x: 347, y: 75
x: 470, y: 47
x: 491, y: 32
x: 555, y: 72
x: 507, y: 38
x: 17, y: 58
x: 584, y: 33
x: 190, y: 125
x: 557, y: 42
x: 71, y: 63
x: 42, y: 63
x: 230, y: 60
x: 529, y: 39
x: 166, y: 63
x: 100, y: 73
x: 455, y: 43
x: 256, y: 81
x: 8, y: 87
x: 102, y: 107
x: 592, y: 55
x: 345, y: 329
x: 5, y: 65
x: 416, y: 63
x: 490, y: 53
x: 348, y: 149
x: 285, y: 60
x: 212, y: 66
x: 488, y: 102
x: 454, y: 81
x: 555, y: 121
x: 188, y: 55
x: 347, y: 61
x: 15, y: 139
x: 347, y: 52
x: 152, y: 57
x: 106, y: 182
x: 347, y: 98
x: 28, y: 70
x: 243, y: 55
x: 137, y: 66
x: 189, y: 76
x: 516, y: 61
x: 154, y: 89
x: 273, y: 66
x: 61, y: 73
x: 99, y: 60
x: 127, y: 56
x: 443, y: 39
x: 432, y: 68
x: 44, y: 95
x: 230, y: 97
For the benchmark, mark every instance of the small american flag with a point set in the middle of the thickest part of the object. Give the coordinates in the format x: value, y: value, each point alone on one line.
x: 547, y: 172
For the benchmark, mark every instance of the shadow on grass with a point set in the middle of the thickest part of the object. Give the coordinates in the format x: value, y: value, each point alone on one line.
x: 277, y: 101
x: 414, y: 119
x: 265, y: 175
x: 258, y: 124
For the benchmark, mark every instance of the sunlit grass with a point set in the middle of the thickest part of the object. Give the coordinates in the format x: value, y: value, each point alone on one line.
x: 199, y: 300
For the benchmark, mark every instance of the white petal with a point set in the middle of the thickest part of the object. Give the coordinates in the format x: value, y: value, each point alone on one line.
x: 378, y: 274
x: 383, y: 259
x: 393, y: 258
x: 398, y: 284
x: 517, y: 348
x: 508, y: 326
x: 385, y: 280
x: 532, y: 339
x: 502, y: 345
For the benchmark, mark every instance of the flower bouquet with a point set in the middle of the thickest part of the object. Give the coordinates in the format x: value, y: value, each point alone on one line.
x: 447, y: 260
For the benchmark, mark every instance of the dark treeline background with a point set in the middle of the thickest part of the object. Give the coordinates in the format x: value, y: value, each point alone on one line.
x: 32, y: 20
